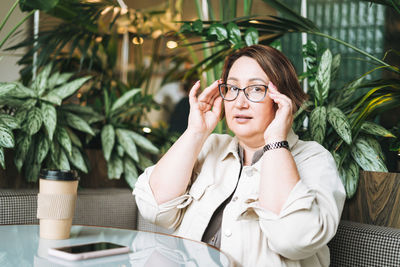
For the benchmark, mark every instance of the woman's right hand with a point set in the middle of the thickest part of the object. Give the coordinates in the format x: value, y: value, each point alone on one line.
x: 205, y: 109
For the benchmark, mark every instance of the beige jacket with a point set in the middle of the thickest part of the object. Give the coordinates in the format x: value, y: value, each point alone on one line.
x: 251, y: 235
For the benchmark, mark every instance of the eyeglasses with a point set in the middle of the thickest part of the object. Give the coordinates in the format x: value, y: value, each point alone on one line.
x: 254, y: 93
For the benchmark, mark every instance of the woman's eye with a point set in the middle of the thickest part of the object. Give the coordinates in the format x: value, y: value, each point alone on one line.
x: 257, y: 89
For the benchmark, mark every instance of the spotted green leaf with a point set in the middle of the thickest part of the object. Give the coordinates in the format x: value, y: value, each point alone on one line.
x: 349, y: 174
x: 77, y: 123
x: 43, y: 146
x: 50, y: 114
x: 77, y: 159
x: 2, y: 161
x: 340, y: 123
x: 23, y: 142
x: 375, y: 129
x: 70, y: 88
x: 324, y: 75
x: 9, y: 121
x: 40, y: 83
x: 130, y: 172
x: 366, y: 156
x: 143, y: 142
x: 124, y: 138
x: 124, y: 98
x: 114, y: 167
x: 33, y: 121
x: 6, y: 137
x: 53, y: 98
x: 107, y: 140
x: 318, y: 123
x: 63, y: 139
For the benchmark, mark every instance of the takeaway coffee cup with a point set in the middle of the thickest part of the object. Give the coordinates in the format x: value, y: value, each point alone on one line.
x: 56, y: 202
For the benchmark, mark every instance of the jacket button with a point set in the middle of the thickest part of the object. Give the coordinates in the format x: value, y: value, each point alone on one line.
x: 228, y: 232
x: 234, y: 198
x: 249, y: 173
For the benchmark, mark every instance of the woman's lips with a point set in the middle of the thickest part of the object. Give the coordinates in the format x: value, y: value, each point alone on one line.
x: 242, y: 118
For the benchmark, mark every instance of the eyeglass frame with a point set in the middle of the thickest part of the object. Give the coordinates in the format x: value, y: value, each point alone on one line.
x: 244, y: 92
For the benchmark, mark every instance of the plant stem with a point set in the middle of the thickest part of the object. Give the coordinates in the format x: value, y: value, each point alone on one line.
x: 16, y: 27
x: 351, y: 46
x: 8, y: 14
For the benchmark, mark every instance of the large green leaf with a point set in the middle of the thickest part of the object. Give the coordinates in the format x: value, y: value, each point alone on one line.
x: 143, y: 142
x: 33, y: 121
x: 74, y: 139
x: 63, y: 162
x: 2, y: 161
x: 234, y: 34
x: 77, y: 160
x: 40, y: 83
x: 43, y: 146
x: 375, y: 129
x: 63, y: 139
x: 130, y: 171
x: 318, y: 123
x: 23, y: 142
x: 53, y: 98
x: 340, y: 123
x: 218, y: 30
x: 6, y: 88
x: 9, y: 121
x: 125, y: 98
x: 70, y: 88
x: 107, y: 140
x: 366, y: 156
x: 20, y: 91
x: 251, y: 36
x: 50, y: 122
x: 349, y: 174
x: 124, y: 138
x: 114, y: 167
x: 324, y: 76
x: 6, y: 137
x: 78, y: 123
x: 57, y: 79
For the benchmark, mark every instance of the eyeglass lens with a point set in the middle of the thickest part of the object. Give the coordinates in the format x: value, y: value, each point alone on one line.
x: 254, y: 93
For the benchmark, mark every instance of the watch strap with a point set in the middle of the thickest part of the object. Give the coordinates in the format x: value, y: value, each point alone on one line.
x: 275, y: 145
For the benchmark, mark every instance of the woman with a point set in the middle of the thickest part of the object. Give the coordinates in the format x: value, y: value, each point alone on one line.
x: 264, y: 197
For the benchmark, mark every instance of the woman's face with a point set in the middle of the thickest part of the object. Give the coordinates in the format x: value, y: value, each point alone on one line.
x: 248, y: 120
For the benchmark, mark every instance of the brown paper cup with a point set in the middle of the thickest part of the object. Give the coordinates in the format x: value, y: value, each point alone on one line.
x: 56, y: 203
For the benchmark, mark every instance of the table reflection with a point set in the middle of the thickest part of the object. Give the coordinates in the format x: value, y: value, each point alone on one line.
x: 21, y: 246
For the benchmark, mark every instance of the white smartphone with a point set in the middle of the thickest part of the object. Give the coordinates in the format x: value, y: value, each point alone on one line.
x: 87, y: 251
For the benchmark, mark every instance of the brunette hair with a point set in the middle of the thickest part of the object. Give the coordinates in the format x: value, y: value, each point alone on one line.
x: 276, y: 66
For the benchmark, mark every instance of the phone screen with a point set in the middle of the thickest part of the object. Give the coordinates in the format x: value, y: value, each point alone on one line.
x: 89, y: 247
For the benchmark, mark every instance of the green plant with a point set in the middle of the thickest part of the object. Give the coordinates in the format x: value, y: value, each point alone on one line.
x: 124, y: 149
x: 337, y: 119
x: 47, y: 136
x: 86, y: 43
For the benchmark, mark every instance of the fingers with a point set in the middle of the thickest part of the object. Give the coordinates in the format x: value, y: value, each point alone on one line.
x: 217, y: 107
x: 193, y: 93
x: 210, y: 93
x: 282, y: 100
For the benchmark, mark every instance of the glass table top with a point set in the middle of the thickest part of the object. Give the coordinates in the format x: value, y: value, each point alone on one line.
x: 21, y: 246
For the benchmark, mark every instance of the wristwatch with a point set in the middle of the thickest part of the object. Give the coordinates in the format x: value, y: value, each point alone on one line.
x: 276, y: 145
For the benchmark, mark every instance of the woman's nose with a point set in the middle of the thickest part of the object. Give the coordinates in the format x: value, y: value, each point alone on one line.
x: 241, y: 100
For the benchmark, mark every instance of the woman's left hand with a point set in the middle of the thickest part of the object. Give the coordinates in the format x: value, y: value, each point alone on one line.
x: 279, y: 128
